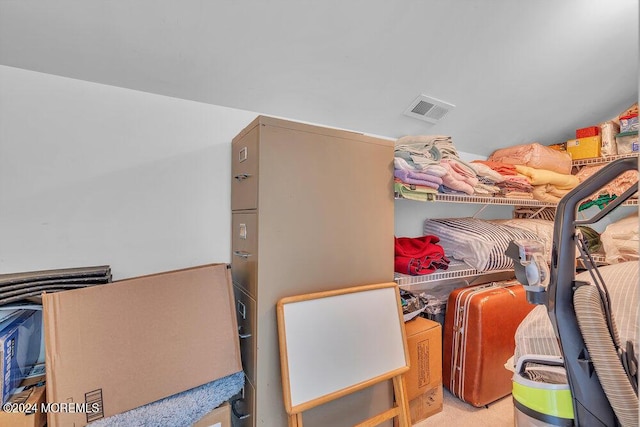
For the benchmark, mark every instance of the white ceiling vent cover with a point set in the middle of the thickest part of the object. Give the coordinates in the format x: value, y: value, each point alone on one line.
x: 429, y: 109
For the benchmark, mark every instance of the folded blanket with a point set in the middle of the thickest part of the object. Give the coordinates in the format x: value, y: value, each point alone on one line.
x: 485, y: 171
x: 549, y: 193
x: 456, y: 181
x: 419, y: 178
x: 544, y: 176
x: 479, y: 243
x: 446, y: 190
x: 400, y: 163
x: 516, y: 186
x: 534, y: 155
x: 420, y: 193
x: 512, y: 194
x: 615, y: 187
x: 620, y: 240
x: 486, y: 189
x: 503, y: 169
x: 404, y: 164
x: 436, y: 170
x: 467, y: 173
x: 418, y: 154
x: 421, y: 143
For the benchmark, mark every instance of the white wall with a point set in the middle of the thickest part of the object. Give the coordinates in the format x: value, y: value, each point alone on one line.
x: 93, y: 174
x: 410, y: 214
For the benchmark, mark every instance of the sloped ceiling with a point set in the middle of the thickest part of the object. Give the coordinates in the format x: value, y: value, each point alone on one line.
x: 517, y: 71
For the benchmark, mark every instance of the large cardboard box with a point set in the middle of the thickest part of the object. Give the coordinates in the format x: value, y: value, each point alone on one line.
x: 424, y: 340
x: 219, y: 417
x: 111, y: 348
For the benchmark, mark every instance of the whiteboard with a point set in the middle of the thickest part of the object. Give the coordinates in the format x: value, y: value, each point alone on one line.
x: 337, y: 342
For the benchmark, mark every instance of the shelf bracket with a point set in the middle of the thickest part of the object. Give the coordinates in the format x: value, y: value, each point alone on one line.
x: 483, y: 207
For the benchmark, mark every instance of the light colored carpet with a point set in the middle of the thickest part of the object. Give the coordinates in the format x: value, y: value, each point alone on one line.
x: 456, y: 413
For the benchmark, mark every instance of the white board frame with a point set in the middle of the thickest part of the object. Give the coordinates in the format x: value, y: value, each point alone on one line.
x: 338, y: 342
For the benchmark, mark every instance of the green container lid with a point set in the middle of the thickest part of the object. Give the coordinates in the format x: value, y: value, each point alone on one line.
x: 628, y: 133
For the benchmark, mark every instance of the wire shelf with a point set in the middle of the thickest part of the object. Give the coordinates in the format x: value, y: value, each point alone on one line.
x: 457, y: 270
x: 458, y: 198
x: 505, y: 201
x: 601, y: 160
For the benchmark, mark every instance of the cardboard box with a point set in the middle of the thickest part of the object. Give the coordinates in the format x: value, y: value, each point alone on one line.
x: 111, y: 348
x: 426, y: 405
x: 219, y: 417
x: 584, y: 148
x: 25, y: 405
x: 424, y: 341
x: 20, y: 338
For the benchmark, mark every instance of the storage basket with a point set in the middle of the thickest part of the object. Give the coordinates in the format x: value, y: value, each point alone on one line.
x: 539, y: 403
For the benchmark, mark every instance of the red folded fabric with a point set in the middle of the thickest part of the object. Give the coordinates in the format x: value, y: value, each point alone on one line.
x: 419, y: 255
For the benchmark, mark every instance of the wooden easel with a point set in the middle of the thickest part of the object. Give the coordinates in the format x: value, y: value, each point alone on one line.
x: 338, y: 342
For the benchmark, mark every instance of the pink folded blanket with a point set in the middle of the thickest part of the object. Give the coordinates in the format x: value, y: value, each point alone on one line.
x: 534, y: 155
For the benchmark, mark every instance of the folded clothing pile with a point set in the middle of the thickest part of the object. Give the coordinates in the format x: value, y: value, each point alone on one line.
x: 419, y: 255
x: 610, y: 191
x: 621, y: 239
x: 531, y: 171
x: 432, y: 163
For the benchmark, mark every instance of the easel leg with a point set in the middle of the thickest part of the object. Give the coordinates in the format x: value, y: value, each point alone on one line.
x: 400, y: 394
x: 295, y: 420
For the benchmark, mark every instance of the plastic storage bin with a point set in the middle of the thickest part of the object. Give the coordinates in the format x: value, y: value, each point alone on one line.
x: 629, y: 123
x: 541, y: 404
x: 627, y: 142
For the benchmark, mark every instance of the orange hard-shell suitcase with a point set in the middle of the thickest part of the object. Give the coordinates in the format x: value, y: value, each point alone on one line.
x: 479, y: 330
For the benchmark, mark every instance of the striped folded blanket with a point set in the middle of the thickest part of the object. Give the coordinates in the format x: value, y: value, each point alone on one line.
x: 479, y: 243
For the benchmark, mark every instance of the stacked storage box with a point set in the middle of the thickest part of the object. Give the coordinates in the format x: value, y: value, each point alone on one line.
x: 424, y: 378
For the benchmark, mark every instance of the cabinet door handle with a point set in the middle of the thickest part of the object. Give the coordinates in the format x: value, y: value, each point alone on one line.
x: 241, y: 335
x: 242, y: 309
x: 242, y: 176
x: 242, y: 254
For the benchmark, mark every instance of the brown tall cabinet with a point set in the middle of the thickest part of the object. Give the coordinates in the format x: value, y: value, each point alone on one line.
x: 312, y: 210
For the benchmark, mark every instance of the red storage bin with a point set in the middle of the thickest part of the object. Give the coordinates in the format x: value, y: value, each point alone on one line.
x: 589, y: 131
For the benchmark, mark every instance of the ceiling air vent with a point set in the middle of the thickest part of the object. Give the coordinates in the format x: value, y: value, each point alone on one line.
x: 429, y: 109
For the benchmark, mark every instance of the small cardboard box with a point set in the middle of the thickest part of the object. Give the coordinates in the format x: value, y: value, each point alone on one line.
x: 219, y: 417
x: 20, y: 340
x: 424, y: 340
x: 118, y: 346
x: 24, y: 407
x: 584, y: 148
x: 426, y: 405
